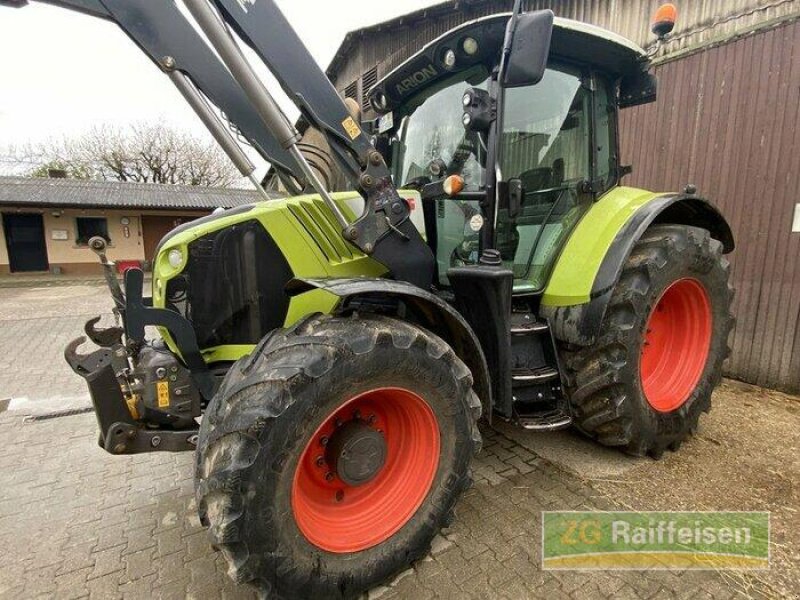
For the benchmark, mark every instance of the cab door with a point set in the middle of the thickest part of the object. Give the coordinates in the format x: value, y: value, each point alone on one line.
x: 553, y: 161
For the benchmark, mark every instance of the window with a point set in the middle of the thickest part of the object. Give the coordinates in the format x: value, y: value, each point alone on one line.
x: 89, y: 227
x: 351, y: 91
x: 368, y: 81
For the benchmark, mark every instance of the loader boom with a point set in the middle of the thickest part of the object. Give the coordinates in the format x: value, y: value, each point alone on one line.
x: 161, y: 31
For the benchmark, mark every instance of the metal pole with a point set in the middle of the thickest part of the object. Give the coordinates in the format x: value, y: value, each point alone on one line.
x: 213, y: 123
x: 217, y: 33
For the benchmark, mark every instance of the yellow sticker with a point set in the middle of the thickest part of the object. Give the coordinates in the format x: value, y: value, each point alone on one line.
x: 163, y: 394
x: 351, y: 127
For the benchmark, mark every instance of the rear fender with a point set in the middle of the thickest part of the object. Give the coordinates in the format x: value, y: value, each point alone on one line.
x: 422, y: 308
x: 590, y: 265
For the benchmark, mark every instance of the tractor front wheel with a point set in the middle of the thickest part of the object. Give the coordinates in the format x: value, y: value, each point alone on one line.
x: 645, y: 382
x: 333, y: 454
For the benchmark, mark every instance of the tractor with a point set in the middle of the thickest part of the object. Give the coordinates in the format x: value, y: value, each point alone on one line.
x: 327, y: 355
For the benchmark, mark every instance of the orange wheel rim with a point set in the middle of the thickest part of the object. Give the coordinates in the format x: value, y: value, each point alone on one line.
x: 676, y: 346
x: 366, y: 470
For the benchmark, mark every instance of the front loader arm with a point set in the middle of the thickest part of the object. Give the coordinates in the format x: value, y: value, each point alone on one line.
x: 159, y: 28
x: 264, y: 28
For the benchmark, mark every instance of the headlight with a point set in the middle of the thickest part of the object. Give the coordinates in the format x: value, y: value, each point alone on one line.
x: 470, y: 46
x: 450, y: 59
x: 175, y: 258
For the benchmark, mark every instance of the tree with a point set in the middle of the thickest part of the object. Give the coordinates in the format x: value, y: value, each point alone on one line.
x: 145, y: 153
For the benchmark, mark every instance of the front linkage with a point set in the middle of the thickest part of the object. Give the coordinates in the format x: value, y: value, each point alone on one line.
x: 144, y: 398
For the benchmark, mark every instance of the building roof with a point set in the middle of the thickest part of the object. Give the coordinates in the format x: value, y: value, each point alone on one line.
x: 83, y: 193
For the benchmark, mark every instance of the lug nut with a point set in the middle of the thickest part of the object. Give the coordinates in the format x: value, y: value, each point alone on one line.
x: 320, y: 461
x: 339, y: 495
x: 324, y: 440
x: 372, y: 419
x: 328, y: 476
x: 357, y: 414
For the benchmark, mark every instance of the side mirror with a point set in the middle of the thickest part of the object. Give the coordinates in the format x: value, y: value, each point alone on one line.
x: 526, y: 47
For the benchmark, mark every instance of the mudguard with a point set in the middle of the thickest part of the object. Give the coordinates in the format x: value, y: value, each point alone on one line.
x: 576, y: 298
x: 428, y: 310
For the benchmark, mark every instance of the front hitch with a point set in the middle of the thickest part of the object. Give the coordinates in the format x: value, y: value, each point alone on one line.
x: 119, y: 431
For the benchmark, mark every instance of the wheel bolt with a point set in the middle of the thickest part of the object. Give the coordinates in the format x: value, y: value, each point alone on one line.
x: 357, y: 414
x: 324, y: 440
x: 320, y: 461
x: 372, y: 419
x: 328, y: 476
x: 339, y: 422
x: 339, y: 495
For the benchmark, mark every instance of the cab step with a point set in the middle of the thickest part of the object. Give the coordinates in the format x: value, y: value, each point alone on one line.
x: 540, y: 375
x: 549, y: 419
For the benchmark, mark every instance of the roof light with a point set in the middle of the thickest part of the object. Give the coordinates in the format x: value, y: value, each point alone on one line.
x: 470, y: 46
x: 664, y: 20
x: 449, y: 59
x: 380, y: 101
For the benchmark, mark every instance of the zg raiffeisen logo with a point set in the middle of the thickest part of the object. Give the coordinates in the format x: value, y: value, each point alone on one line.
x: 655, y: 540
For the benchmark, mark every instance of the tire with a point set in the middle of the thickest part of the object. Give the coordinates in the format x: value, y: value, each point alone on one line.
x: 262, y: 494
x: 645, y: 382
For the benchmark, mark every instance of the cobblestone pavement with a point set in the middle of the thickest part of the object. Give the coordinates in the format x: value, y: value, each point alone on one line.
x: 76, y: 522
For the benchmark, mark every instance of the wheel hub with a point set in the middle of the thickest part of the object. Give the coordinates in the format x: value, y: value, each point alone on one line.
x: 356, y: 452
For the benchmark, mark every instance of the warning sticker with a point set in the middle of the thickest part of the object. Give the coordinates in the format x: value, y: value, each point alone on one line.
x: 163, y: 394
x: 351, y: 127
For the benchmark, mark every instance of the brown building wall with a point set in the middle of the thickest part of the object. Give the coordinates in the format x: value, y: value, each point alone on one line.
x: 728, y: 120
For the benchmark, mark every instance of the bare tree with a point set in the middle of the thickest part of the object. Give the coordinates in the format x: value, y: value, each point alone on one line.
x: 146, y: 153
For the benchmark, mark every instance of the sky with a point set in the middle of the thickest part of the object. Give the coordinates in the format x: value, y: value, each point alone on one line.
x: 61, y: 73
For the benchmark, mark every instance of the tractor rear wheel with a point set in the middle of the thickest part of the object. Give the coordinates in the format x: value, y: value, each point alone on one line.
x: 645, y: 382
x: 332, y: 455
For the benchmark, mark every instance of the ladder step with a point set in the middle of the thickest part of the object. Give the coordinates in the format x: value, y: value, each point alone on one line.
x: 528, y: 376
x: 528, y: 328
x: 546, y: 420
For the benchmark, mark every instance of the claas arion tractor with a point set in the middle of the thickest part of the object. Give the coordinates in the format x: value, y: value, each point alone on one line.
x: 327, y: 356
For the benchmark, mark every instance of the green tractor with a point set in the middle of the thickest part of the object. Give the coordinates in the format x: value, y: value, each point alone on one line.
x: 338, y: 349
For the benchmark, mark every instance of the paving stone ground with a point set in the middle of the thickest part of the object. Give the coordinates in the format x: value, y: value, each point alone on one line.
x: 78, y: 523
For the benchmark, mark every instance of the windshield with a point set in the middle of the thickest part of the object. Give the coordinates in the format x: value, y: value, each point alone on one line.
x: 434, y: 136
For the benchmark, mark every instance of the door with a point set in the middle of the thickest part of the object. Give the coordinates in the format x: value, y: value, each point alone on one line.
x: 27, y: 250
x: 154, y: 228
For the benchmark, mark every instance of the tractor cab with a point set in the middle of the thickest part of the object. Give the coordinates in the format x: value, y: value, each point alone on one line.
x: 509, y: 165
